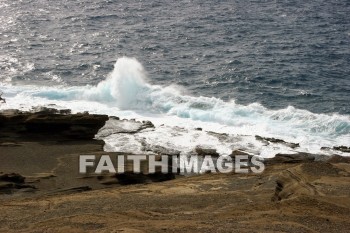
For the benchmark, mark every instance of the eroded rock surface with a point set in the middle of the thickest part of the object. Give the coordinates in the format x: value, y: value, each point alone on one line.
x: 49, y: 124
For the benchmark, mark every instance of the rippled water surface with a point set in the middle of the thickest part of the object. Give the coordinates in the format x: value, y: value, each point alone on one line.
x: 277, y: 53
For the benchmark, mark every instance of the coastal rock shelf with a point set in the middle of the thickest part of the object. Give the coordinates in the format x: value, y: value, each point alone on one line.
x: 39, y: 152
x: 40, y: 182
x: 43, y: 147
x: 143, y: 137
x: 49, y: 124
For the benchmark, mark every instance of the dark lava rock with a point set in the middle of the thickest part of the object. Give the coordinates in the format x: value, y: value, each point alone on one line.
x: 44, y: 110
x: 9, y: 183
x: 65, y: 111
x: 342, y: 149
x: 220, y: 136
x: 140, y: 178
x: 12, y: 177
x: 276, y: 140
x: 147, y: 124
x: 238, y: 152
x: 159, y: 149
x: 50, y: 124
x: 206, y: 151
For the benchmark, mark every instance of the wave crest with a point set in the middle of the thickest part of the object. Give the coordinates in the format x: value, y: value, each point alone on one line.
x: 126, y: 88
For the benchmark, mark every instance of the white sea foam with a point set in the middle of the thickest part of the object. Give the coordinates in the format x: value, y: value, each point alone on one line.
x: 126, y: 93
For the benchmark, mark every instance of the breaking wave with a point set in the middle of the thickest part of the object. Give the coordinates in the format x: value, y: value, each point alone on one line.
x: 127, y: 89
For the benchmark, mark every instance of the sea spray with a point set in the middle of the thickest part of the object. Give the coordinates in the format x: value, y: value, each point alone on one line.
x: 127, y: 93
x: 125, y: 85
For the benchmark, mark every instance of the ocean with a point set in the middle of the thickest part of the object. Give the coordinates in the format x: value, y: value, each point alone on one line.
x: 244, y: 68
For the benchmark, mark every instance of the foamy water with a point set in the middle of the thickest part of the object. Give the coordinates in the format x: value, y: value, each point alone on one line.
x: 127, y: 94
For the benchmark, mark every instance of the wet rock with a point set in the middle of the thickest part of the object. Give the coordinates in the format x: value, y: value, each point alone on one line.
x: 114, y: 126
x: 128, y: 178
x: 220, y: 136
x: 48, y: 124
x: 83, y: 113
x: 201, y: 151
x: 276, y: 140
x: 10, y: 112
x: 12, y: 177
x: 65, y: 111
x: 44, y: 110
x: 147, y: 124
x: 342, y: 149
x: 13, y: 182
x: 238, y: 152
x: 159, y: 149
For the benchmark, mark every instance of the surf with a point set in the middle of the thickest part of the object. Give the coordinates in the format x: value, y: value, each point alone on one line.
x: 127, y: 92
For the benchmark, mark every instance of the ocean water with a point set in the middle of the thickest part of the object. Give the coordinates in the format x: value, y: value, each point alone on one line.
x: 270, y: 68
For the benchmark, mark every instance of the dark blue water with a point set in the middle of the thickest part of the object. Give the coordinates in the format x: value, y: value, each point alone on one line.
x: 277, y: 53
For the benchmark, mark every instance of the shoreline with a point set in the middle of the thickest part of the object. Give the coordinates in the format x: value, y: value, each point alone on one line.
x: 41, y: 188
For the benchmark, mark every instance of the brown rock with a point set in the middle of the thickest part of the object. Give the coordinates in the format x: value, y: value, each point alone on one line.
x: 291, y: 158
x: 338, y: 159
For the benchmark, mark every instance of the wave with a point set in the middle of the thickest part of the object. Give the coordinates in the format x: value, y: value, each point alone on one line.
x: 127, y: 89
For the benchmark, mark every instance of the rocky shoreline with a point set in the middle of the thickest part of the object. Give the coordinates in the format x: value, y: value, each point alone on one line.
x: 42, y: 190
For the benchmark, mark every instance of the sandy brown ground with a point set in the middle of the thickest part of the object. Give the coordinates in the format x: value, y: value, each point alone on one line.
x: 301, y: 197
